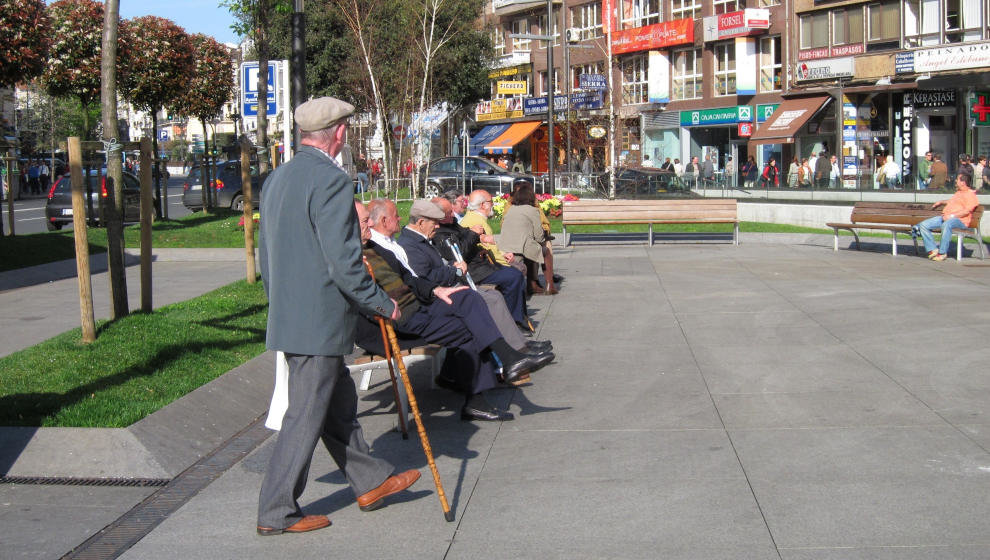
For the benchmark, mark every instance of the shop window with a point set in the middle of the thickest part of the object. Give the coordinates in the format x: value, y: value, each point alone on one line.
x: 577, y: 70
x: 963, y: 21
x: 635, y: 86
x: 685, y: 9
x: 727, y: 6
x: 921, y: 23
x: 686, y: 74
x: 847, y: 25
x: 544, y: 88
x: 814, y: 30
x: 498, y: 41
x: 725, y: 69
x: 520, y: 26
x: 637, y: 13
x: 630, y: 135
x: 543, y: 31
x: 587, y: 20
x: 771, y: 69
x: 884, y: 24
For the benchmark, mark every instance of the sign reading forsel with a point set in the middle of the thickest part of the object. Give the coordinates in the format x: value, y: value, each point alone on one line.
x: 825, y: 69
x: 656, y: 36
x: 736, y: 24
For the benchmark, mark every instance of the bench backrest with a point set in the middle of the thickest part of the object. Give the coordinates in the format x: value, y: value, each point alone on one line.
x: 900, y: 213
x: 649, y: 211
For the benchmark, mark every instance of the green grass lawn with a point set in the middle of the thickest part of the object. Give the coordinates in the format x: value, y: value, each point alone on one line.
x: 137, y: 365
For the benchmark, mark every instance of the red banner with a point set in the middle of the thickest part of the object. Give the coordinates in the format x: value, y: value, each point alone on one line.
x: 607, y: 9
x: 656, y: 36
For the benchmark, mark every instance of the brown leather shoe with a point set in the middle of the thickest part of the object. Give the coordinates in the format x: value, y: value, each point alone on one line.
x: 307, y: 523
x: 394, y: 484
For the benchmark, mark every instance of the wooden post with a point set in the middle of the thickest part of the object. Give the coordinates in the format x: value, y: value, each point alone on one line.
x: 274, y: 150
x: 81, y: 236
x: 13, y: 178
x: 147, y: 204
x: 248, y: 209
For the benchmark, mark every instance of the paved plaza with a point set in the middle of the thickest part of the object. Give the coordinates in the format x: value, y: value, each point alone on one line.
x: 772, y: 400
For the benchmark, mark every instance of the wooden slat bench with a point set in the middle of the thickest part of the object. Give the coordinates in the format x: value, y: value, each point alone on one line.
x: 690, y: 211
x: 898, y: 218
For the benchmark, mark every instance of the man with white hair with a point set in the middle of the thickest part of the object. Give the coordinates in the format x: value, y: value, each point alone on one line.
x: 480, y: 208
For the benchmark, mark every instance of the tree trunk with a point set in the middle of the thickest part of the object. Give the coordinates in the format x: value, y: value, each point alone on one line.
x: 204, y: 170
x: 261, y: 43
x: 248, y: 210
x: 162, y: 210
x: 115, y: 210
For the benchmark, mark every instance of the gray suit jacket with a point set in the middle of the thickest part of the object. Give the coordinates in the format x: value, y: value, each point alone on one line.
x: 310, y: 250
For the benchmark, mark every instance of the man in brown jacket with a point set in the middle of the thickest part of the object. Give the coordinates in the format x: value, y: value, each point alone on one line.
x: 939, y: 171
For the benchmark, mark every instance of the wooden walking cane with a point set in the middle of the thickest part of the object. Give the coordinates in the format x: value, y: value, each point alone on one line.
x: 392, y: 341
x: 391, y: 373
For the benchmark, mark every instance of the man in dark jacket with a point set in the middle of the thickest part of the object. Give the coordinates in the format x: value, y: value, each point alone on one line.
x: 822, y: 170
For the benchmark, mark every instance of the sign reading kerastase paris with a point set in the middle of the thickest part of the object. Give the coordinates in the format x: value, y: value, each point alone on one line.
x: 656, y: 36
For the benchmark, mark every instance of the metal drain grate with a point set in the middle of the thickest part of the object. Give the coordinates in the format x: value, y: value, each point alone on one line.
x: 73, y: 481
x: 131, y: 527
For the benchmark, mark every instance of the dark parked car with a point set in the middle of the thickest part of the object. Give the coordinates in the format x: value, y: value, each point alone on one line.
x: 226, y: 180
x: 479, y: 173
x: 645, y: 182
x: 58, y: 209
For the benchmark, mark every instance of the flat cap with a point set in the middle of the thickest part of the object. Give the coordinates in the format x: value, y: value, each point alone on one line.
x: 322, y: 112
x: 425, y: 209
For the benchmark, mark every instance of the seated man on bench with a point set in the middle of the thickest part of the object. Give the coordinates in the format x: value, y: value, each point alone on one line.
x: 956, y: 214
x: 454, y: 317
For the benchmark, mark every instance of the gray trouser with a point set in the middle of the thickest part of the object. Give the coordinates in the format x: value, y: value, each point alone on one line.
x: 322, y: 405
x: 503, y: 319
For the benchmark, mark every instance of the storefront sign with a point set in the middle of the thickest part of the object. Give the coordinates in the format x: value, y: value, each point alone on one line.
x: 825, y: 69
x: 656, y: 36
x: 512, y: 88
x: 831, y: 52
x: 510, y: 71
x: 949, y: 57
x: 904, y: 129
x: 764, y: 111
x: 597, y: 132
x: 979, y: 109
x: 745, y: 129
x: 849, y: 132
x: 579, y: 101
x: 725, y: 115
x: 592, y: 81
x: 934, y: 99
x: 608, y: 9
x: 750, y: 21
x: 658, y: 76
x: 497, y: 109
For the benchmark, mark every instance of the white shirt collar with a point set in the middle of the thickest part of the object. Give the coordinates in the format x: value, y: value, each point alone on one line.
x: 390, y: 245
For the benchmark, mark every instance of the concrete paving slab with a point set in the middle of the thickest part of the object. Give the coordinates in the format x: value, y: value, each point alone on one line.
x: 960, y: 552
x: 77, y: 452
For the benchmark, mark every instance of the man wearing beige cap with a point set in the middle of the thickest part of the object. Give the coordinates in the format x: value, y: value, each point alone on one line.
x: 310, y: 249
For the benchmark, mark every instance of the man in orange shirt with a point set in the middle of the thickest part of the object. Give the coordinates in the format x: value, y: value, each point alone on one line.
x: 957, y: 214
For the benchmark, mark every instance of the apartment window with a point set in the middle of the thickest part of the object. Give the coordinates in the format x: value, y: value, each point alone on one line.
x: 637, y: 13
x: 962, y: 21
x: 635, y: 86
x: 884, y: 22
x: 544, y: 88
x: 847, y: 25
x: 768, y: 3
x: 587, y: 20
x: 814, y: 30
x: 543, y: 31
x: 520, y: 26
x: 686, y: 74
x: 685, y: 9
x: 725, y: 69
x: 498, y: 41
x: 921, y: 23
x: 771, y: 72
x: 726, y: 6
x: 577, y: 70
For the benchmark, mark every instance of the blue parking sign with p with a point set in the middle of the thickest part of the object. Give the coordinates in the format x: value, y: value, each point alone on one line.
x: 249, y: 80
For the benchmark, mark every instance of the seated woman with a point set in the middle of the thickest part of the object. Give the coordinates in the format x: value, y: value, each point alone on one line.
x: 523, y: 234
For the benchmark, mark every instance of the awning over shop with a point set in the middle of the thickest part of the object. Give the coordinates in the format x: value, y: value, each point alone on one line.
x: 516, y: 134
x: 785, y: 121
x: 484, y: 136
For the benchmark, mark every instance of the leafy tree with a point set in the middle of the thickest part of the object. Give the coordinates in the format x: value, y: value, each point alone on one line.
x: 74, y: 58
x: 154, y: 70
x: 25, y: 35
x: 209, y: 87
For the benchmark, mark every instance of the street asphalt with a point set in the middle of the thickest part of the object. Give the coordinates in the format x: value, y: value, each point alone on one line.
x: 774, y: 399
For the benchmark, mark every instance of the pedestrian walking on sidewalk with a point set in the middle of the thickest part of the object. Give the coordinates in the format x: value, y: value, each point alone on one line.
x: 310, y: 249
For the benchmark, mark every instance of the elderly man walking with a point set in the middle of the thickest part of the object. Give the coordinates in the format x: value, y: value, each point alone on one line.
x: 310, y: 248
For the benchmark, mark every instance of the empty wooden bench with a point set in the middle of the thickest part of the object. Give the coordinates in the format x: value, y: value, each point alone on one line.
x: 690, y: 211
x: 898, y: 218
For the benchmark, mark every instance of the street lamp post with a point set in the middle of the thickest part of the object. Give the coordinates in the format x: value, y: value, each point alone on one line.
x: 551, y: 156
x: 298, y: 63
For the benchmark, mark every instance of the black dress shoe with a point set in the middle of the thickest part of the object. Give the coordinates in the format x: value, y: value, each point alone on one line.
x: 558, y: 278
x: 490, y: 414
x: 542, y: 360
x: 538, y: 346
x: 448, y: 384
x: 512, y: 371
